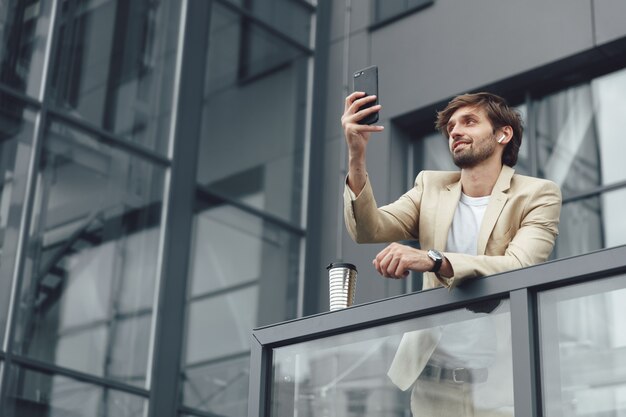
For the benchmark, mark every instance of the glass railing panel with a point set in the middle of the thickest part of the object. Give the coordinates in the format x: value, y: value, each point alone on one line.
x: 583, y: 349
x: 457, y: 360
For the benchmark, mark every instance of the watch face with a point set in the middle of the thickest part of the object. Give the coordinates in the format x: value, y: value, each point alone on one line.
x: 435, y: 255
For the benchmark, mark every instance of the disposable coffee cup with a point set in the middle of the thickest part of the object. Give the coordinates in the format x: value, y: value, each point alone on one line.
x: 342, y: 285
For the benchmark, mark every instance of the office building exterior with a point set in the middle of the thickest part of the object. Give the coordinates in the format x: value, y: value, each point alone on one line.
x: 172, y: 174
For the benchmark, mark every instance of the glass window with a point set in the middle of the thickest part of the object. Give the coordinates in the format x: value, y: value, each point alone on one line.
x: 291, y: 17
x: 579, y: 134
x: 114, y: 66
x: 432, y: 153
x: 243, y: 273
x: 231, y: 315
x: 220, y: 387
x: 24, y: 26
x: 89, y: 280
x: 592, y: 223
x: 457, y: 361
x: 252, y: 139
x: 390, y: 9
x: 16, y: 135
x: 33, y: 393
x: 583, y: 346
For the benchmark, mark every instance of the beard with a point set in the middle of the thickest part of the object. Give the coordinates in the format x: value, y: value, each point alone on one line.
x: 470, y: 157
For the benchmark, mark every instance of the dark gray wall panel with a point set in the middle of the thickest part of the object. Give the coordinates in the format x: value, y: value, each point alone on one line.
x: 360, y: 12
x: 609, y: 18
x: 340, y: 83
x: 457, y: 46
x: 335, y: 93
x: 338, y: 21
x: 358, y: 19
x: 332, y: 222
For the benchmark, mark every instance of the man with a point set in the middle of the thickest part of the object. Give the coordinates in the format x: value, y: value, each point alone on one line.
x: 480, y: 221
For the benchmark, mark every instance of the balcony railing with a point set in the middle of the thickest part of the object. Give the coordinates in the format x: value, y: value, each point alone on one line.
x: 548, y: 340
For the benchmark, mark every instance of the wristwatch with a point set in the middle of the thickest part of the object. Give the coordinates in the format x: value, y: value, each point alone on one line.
x: 436, y: 256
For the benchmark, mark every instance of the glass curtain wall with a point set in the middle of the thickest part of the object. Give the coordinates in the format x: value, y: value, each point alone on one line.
x: 86, y: 103
x: 114, y: 66
x: 16, y: 137
x: 24, y: 29
x: 248, y: 231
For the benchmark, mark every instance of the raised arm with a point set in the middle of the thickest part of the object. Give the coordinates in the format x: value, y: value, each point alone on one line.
x: 357, y: 136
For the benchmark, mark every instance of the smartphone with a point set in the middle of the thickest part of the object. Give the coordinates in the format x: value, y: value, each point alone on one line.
x: 366, y: 80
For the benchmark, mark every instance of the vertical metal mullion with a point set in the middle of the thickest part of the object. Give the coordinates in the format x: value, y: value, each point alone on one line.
x: 166, y: 193
x: 39, y: 132
x: 169, y: 334
x: 314, y: 223
x: 525, y: 353
x: 259, y: 386
x: 531, y: 129
x: 306, y: 168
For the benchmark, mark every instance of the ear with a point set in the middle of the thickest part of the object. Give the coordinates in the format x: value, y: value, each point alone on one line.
x: 507, y: 131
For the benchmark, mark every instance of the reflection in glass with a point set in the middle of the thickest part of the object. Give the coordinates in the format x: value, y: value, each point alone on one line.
x: 33, y: 393
x: 580, y: 136
x: 90, y: 276
x: 243, y: 273
x: 524, y: 163
x: 16, y: 135
x: 24, y: 26
x: 220, y: 386
x: 114, y: 66
x: 252, y: 139
x: 231, y: 315
x: 609, y: 105
x: 456, y: 361
x: 583, y: 349
x: 591, y: 224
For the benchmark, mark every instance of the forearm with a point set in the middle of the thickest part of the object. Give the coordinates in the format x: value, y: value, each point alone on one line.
x: 366, y: 223
x: 461, y: 266
x: 357, y: 173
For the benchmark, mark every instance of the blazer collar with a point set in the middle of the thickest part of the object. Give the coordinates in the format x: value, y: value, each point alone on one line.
x: 449, y: 200
x: 494, y: 208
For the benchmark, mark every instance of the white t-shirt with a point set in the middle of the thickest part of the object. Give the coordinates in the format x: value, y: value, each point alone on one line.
x: 470, y: 343
x: 463, y: 234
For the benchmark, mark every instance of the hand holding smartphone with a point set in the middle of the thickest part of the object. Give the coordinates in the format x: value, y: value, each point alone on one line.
x: 366, y: 80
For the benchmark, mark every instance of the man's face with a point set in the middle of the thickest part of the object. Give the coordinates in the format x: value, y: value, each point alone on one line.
x: 471, y: 137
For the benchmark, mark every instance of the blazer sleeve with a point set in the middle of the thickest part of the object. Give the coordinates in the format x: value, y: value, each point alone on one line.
x: 367, y: 223
x: 532, y: 244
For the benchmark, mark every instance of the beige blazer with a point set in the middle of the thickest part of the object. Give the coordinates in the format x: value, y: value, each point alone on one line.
x: 519, y: 228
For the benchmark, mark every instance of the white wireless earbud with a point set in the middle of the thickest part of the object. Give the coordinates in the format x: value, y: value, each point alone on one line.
x: 501, y: 138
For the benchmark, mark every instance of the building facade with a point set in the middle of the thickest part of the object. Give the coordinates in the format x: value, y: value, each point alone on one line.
x: 172, y: 171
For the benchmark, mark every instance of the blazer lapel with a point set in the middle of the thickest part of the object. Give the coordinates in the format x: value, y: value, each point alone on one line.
x: 448, y: 201
x: 494, y: 208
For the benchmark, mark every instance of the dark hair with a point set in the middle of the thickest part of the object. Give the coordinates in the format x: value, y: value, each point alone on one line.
x: 499, y: 114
